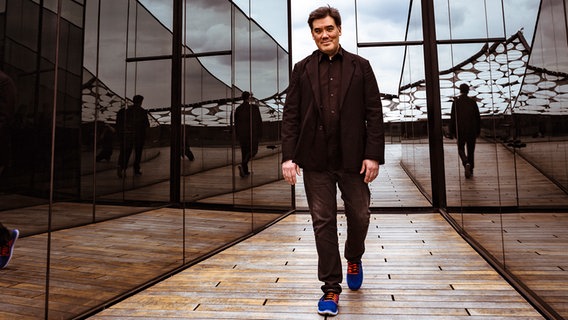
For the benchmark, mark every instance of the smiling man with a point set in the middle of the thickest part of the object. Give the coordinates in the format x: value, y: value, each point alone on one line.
x: 332, y: 128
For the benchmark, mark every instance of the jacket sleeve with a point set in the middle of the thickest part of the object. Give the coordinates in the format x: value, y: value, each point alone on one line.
x: 257, y: 121
x: 477, y: 119
x: 375, y: 143
x: 291, y: 116
x: 453, y: 120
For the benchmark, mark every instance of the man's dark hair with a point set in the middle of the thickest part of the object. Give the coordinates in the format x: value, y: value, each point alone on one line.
x: 245, y: 95
x: 137, y: 99
x: 323, y: 12
x: 464, y: 88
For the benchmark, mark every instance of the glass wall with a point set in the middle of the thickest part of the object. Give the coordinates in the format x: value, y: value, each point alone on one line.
x: 513, y: 58
x: 96, y: 223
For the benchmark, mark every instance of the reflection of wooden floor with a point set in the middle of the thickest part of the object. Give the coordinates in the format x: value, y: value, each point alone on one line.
x: 416, y: 267
x: 392, y: 189
x: 99, y: 262
x: 496, y: 183
x: 535, y: 249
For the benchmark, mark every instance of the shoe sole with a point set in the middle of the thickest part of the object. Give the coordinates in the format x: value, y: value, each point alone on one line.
x: 327, y: 313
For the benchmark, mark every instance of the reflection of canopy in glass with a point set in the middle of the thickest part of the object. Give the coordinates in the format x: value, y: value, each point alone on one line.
x: 205, y: 93
x: 96, y: 93
x: 206, y: 113
x: 499, y: 77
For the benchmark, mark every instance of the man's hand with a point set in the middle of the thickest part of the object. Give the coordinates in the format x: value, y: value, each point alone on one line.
x: 289, y: 171
x: 371, y: 170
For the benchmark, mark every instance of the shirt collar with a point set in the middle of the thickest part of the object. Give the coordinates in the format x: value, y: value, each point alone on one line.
x: 324, y: 57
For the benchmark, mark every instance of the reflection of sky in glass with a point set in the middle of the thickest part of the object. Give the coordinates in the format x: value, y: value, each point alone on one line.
x: 385, y: 20
x: 208, y: 30
x: 206, y: 80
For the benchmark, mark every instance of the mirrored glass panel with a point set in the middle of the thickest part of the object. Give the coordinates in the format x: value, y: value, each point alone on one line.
x: 383, y: 21
x: 101, y: 223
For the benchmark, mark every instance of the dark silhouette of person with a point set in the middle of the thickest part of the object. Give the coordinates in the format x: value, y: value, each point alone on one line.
x: 465, y: 125
x: 131, y: 125
x: 332, y: 128
x: 7, y: 108
x: 248, y: 127
x: 8, y: 94
x: 188, y: 153
x: 186, y: 147
x: 106, y: 140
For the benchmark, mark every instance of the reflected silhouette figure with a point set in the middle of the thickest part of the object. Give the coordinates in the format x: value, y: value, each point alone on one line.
x: 106, y: 140
x: 131, y: 125
x: 248, y: 127
x: 465, y: 125
x: 7, y: 104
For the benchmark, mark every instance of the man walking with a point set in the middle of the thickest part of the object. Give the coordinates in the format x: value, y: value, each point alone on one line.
x: 332, y: 128
x: 131, y: 125
x: 465, y: 124
x: 248, y: 127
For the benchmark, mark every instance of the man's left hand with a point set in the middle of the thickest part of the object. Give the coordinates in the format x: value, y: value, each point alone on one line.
x: 371, y: 170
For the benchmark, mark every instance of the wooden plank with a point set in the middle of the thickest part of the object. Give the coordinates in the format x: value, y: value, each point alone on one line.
x: 274, y: 275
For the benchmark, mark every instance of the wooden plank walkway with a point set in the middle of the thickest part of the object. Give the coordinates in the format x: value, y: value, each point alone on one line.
x: 416, y: 267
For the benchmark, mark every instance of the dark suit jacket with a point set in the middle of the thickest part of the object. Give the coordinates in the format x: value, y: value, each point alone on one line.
x: 361, y: 116
x: 465, y: 120
x: 248, y: 124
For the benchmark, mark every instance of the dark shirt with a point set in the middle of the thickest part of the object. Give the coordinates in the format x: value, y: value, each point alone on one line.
x: 330, y: 88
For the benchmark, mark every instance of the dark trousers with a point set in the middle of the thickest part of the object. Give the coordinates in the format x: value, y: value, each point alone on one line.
x: 126, y: 147
x: 247, y: 152
x: 4, y: 235
x: 321, y: 193
x: 470, y: 156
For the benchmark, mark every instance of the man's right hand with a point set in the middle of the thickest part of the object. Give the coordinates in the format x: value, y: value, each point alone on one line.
x: 289, y: 171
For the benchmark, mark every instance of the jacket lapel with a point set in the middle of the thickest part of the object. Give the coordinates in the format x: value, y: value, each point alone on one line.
x: 313, y: 78
x: 346, y: 75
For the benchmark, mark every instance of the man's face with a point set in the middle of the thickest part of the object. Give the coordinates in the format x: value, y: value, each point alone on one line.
x: 326, y: 35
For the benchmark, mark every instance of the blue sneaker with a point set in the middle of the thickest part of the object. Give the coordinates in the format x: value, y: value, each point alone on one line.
x: 7, y: 249
x: 354, y: 275
x: 327, y: 305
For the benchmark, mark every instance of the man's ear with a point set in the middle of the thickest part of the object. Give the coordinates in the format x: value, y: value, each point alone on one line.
x: 339, y: 28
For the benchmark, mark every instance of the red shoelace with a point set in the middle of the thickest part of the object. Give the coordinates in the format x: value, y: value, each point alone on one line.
x: 352, y: 268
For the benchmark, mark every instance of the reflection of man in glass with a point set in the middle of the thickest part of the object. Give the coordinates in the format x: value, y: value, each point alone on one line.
x: 332, y: 128
x: 465, y: 124
x: 131, y: 125
x: 248, y: 127
x: 7, y: 104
